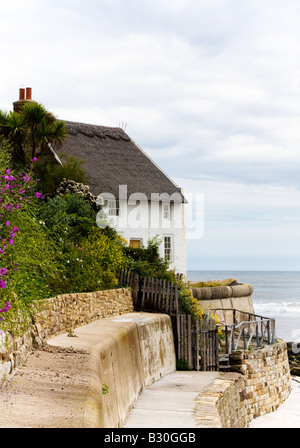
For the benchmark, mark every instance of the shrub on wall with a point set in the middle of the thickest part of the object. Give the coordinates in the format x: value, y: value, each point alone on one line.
x: 146, y: 261
x: 52, y: 174
x: 18, y: 196
x: 48, y: 247
x: 91, y: 258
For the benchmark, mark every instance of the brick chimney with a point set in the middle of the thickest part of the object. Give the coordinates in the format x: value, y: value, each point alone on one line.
x: 25, y: 95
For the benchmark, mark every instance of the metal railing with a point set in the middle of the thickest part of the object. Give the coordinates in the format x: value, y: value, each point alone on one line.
x: 244, y: 334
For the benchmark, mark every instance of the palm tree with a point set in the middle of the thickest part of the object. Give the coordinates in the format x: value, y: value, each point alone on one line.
x: 32, y: 129
x: 42, y: 126
x: 13, y: 130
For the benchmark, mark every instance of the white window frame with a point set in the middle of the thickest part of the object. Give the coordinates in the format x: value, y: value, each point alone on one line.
x: 166, y: 211
x: 113, y: 206
x: 168, y: 248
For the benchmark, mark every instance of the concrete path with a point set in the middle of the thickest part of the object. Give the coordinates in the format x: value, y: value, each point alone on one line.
x: 42, y: 394
x: 47, y: 391
x: 169, y: 403
x: 53, y: 389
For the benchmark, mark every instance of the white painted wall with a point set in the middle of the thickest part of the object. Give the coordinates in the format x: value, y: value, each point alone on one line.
x: 142, y: 219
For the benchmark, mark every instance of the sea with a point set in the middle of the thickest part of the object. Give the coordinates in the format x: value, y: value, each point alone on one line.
x: 276, y: 295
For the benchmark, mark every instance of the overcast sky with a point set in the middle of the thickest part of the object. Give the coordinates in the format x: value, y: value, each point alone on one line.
x: 210, y: 89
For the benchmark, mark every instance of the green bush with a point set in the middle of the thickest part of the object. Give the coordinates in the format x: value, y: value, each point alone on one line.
x: 69, y: 218
x: 147, y: 262
x: 34, y: 262
x: 5, y: 155
x: 91, y: 256
x: 51, y: 174
x: 93, y: 264
x: 182, y: 364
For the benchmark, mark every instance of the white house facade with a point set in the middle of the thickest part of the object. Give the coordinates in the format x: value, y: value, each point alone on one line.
x: 138, y: 220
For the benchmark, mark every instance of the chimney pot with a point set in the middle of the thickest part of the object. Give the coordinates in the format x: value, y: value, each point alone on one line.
x: 28, y: 93
x: 21, y: 94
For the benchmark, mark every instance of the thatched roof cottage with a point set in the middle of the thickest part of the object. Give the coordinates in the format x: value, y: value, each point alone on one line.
x: 141, y: 200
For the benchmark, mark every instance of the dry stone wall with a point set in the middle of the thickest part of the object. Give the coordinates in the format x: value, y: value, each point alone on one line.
x: 219, y: 405
x: 57, y: 315
x: 258, y: 384
x: 267, y: 378
x: 68, y: 311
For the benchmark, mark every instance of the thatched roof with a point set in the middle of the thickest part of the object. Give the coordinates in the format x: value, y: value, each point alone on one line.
x: 112, y: 158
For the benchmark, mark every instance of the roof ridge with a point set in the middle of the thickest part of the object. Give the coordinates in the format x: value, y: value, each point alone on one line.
x: 92, y: 130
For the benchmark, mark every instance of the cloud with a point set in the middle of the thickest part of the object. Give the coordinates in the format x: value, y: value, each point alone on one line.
x: 245, y: 226
x: 209, y: 89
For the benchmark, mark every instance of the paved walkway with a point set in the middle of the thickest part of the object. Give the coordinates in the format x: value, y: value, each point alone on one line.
x: 49, y: 392
x: 46, y: 391
x: 169, y: 403
x: 43, y: 394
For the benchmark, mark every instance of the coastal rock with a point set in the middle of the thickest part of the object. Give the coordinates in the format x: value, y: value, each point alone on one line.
x: 293, y: 349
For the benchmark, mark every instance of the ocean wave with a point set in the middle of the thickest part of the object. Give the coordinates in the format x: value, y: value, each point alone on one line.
x: 277, y: 308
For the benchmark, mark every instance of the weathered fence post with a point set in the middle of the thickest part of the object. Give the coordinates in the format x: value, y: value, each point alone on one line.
x: 135, y: 288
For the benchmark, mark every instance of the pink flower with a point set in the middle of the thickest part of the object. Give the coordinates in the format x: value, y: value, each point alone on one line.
x: 5, y: 309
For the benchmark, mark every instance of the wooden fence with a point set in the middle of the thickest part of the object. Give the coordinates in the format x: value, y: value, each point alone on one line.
x: 196, y: 342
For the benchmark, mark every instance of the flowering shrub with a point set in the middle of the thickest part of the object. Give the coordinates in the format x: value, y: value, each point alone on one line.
x: 5, y: 309
x: 15, y: 191
x: 70, y: 186
x: 188, y: 304
x: 90, y: 257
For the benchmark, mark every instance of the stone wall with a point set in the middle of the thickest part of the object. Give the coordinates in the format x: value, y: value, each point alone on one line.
x: 225, y: 298
x: 219, y: 405
x: 60, y: 314
x: 259, y: 383
x: 265, y: 371
x: 267, y: 378
x: 68, y: 311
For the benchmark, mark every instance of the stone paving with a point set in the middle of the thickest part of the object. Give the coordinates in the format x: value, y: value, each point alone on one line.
x: 170, y: 402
